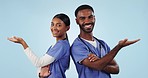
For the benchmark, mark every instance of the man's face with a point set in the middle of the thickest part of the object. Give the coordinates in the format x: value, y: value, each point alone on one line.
x: 86, y: 20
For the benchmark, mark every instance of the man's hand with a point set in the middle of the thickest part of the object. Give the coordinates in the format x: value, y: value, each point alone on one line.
x: 92, y: 57
x: 125, y: 42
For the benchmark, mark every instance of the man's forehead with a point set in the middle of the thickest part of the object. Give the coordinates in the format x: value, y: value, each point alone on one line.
x: 85, y: 12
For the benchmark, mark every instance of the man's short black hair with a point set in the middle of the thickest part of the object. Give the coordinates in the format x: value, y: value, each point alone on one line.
x: 82, y: 7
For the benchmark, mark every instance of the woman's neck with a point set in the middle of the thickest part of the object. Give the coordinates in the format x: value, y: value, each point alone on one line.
x: 60, y: 38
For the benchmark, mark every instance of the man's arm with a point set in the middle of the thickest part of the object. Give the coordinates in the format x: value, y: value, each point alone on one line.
x: 103, y: 62
x: 112, y: 68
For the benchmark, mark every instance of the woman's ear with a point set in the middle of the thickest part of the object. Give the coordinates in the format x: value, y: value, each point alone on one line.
x: 68, y: 27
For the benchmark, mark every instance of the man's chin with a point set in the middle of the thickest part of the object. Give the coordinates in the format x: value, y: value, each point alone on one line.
x: 88, y: 31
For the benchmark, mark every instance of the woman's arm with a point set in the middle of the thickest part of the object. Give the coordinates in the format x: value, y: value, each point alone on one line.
x: 38, y: 62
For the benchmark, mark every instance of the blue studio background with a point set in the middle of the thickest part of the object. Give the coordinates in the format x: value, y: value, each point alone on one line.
x: 30, y: 19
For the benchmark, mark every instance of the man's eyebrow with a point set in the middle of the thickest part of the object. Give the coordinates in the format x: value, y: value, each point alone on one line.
x: 82, y: 17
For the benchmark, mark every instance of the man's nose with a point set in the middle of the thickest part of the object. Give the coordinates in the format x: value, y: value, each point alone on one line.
x: 87, y: 20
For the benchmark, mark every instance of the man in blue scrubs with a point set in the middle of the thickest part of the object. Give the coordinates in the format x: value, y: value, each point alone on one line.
x: 93, y: 57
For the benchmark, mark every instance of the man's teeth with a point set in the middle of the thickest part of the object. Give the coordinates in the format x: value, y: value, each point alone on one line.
x: 87, y: 25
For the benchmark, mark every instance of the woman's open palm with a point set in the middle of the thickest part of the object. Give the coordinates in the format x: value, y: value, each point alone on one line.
x: 15, y: 39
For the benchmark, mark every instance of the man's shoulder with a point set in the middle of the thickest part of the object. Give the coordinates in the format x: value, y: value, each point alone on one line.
x: 76, y: 42
x: 100, y: 40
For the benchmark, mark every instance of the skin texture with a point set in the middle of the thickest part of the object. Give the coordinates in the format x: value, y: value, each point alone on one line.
x: 86, y: 21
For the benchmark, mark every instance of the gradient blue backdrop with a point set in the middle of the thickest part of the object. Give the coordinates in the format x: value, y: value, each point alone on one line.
x: 30, y: 19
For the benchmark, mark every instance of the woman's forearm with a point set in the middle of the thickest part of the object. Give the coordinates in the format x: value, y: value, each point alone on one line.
x: 24, y: 44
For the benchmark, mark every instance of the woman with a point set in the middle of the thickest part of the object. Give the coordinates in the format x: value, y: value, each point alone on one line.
x: 57, y: 58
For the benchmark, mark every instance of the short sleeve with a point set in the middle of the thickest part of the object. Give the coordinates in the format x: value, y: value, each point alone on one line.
x: 57, y: 51
x: 107, y: 48
x: 79, y: 51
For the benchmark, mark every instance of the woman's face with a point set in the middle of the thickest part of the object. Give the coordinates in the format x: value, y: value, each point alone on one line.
x: 58, y: 28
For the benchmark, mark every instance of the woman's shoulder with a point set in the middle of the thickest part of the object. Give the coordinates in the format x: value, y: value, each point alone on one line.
x: 63, y: 42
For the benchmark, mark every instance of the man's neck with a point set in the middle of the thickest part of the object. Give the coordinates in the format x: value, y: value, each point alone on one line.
x: 87, y: 36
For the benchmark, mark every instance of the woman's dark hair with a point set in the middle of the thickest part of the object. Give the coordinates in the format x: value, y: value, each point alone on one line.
x: 82, y: 7
x: 64, y: 18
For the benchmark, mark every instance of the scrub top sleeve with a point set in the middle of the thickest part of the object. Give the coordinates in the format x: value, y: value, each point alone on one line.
x: 79, y: 52
x: 57, y: 51
x: 106, y: 46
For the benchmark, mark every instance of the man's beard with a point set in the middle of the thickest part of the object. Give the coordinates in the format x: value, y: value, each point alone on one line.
x: 82, y: 27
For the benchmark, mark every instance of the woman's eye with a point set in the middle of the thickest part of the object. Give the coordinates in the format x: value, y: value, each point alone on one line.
x: 52, y: 24
x: 59, y: 25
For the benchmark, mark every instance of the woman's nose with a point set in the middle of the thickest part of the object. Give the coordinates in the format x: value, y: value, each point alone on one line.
x: 54, y: 27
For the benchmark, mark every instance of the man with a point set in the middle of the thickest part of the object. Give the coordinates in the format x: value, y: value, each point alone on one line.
x: 93, y: 57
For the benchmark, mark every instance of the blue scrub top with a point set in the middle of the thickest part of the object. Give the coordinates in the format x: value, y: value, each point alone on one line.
x: 60, y: 51
x: 79, y: 51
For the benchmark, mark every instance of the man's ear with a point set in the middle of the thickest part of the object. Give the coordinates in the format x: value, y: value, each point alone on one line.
x: 77, y: 21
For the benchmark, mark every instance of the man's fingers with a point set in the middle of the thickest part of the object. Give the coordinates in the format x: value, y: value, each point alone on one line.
x: 136, y: 40
x: 93, y: 59
x: 90, y: 56
x: 125, y: 42
x: 131, y: 42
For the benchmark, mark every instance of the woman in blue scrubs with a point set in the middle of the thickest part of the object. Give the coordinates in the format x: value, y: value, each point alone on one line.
x: 57, y: 58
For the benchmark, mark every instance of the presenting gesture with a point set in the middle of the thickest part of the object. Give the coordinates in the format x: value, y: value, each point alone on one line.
x: 125, y: 42
x: 18, y: 40
x: 58, y: 55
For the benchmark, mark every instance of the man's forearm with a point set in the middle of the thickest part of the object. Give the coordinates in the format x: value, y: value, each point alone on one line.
x: 101, y: 63
x: 112, y: 69
x: 109, y: 57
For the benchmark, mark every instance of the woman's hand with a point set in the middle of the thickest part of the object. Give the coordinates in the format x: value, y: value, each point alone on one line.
x: 44, y: 72
x: 18, y: 40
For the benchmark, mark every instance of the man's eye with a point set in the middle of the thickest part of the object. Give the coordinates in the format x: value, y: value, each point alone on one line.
x: 90, y: 17
x: 82, y: 18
